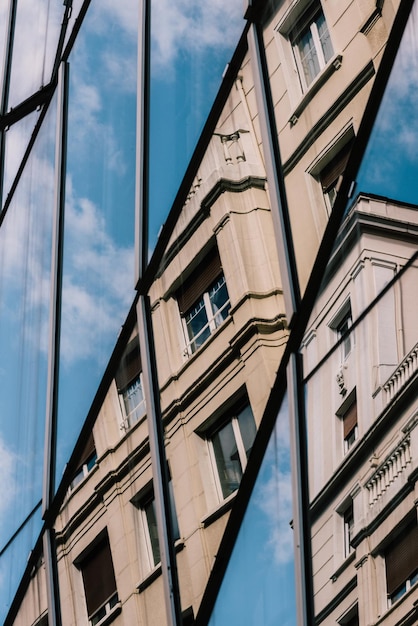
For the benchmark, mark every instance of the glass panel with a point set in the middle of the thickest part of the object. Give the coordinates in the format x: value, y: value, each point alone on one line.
x: 188, y: 56
x: 218, y: 295
x: 134, y: 401
x: 152, y: 530
x: 3, y: 31
x: 98, y: 281
x: 258, y: 587
x: 313, y: 124
x: 247, y: 428
x: 17, y: 139
x: 227, y: 459
x: 360, y: 359
x: 197, y: 325
x: 35, y: 41
x: 25, y: 256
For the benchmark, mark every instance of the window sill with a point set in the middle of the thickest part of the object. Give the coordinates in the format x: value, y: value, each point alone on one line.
x: 332, y: 66
x: 156, y: 571
x: 220, y: 510
x: 113, y: 613
x: 412, y: 613
x: 348, y: 559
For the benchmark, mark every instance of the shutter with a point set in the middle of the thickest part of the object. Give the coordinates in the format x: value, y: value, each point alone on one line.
x: 402, y: 558
x: 130, y: 368
x: 335, y: 168
x: 98, y: 577
x: 199, y: 281
x: 88, y: 450
x: 350, y: 419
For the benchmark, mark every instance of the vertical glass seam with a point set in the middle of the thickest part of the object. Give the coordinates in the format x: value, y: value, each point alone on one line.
x: 159, y: 465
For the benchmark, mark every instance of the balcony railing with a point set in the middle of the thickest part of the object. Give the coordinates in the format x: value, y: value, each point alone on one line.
x: 389, y: 471
x: 403, y: 373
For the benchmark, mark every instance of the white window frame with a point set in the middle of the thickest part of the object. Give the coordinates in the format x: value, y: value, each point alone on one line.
x: 311, y: 26
x: 348, y: 529
x: 347, y: 344
x: 127, y: 422
x: 108, y: 606
x: 409, y: 583
x: 212, y: 316
x: 240, y: 449
x: 146, y: 500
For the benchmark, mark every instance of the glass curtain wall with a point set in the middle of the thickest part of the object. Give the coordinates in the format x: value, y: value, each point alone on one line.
x: 267, y: 125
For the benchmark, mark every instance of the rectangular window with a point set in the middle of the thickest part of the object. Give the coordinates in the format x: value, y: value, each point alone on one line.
x: 401, y: 560
x: 86, y: 463
x: 330, y: 174
x: 311, y: 42
x: 203, y: 302
x: 99, y: 582
x: 130, y: 387
x: 343, y: 332
x: 147, y: 505
x: 348, y: 517
x: 350, y: 427
x: 230, y: 448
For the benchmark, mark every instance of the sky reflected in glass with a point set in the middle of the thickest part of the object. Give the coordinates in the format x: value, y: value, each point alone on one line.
x: 390, y: 164
x: 189, y: 53
x: 259, y: 585
x: 98, y: 275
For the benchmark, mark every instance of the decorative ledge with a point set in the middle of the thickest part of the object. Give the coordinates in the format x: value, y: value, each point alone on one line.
x: 330, y: 68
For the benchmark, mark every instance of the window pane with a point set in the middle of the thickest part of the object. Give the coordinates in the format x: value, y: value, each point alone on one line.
x: 152, y: 530
x: 247, y: 428
x: 98, y: 272
x: 35, y: 41
x: 308, y: 56
x: 227, y: 459
x: 197, y: 325
x: 133, y: 398
x: 324, y: 37
x: 218, y: 296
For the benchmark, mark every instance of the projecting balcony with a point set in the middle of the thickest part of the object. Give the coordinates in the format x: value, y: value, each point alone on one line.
x: 402, y: 375
x: 389, y: 472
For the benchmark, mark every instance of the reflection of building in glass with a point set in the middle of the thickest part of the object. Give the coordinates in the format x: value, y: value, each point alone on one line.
x: 141, y: 524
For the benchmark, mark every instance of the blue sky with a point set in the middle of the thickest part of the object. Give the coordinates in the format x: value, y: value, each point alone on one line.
x: 189, y: 55
x: 98, y: 284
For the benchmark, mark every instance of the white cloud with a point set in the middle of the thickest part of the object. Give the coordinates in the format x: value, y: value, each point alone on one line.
x: 187, y: 26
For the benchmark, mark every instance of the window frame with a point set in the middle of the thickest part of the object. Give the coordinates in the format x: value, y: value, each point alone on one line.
x: 196, y: 291
x: 348, y: 525
x: 233, y: 419
x: 307, y: 22
x: 131, y: 418
x: 394, y: 554
x: 99, y: 551
x: 144, y: 500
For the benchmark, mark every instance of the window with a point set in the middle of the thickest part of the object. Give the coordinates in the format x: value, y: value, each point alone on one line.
x: 86, y: 463
x: 99, y: 581
x: 147, y: 507
x: 311, y: 44
x: 343, y: 332
x: 401, y: 560
x: 329, y: 176
x: 203, y: 302
x: 341, y: 325
x: 230, y: 448
x: 348, y: 518
x: 130, y: 387
x: 350, y: 428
